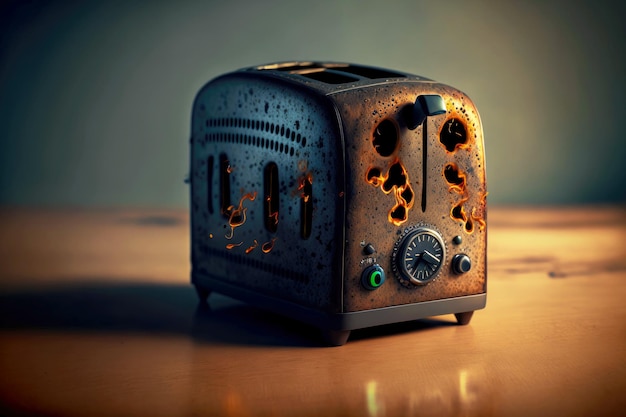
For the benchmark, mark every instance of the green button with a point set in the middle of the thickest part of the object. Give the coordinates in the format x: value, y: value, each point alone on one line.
x: 373, y: 277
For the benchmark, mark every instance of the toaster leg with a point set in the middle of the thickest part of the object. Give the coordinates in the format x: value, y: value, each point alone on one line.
x: 203, y: 293
x: 464, y: 318
x: 336, y: 337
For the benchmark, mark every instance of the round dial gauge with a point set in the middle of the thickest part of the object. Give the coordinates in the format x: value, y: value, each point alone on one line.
x: 419, y: 255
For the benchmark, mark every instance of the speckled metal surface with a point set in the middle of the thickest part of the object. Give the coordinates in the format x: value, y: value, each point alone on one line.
x: 342, y: 141
x: 251, y: 121
x: 368, y: 206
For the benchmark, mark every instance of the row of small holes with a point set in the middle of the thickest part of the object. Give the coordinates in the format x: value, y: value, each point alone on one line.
x: 257, y: 125
x: 250, y: 140
x: 263, y: 266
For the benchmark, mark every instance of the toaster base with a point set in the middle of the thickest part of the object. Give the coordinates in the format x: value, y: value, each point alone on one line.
x: 337, y: 326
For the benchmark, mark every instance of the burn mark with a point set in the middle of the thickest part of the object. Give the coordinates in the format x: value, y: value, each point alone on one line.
x: 385, y: 138
x: 455, y: 178
x: 225, y: 171
x: 481, y: 222
x: 453, y: 134
x: 268, y: 246
x: 252, y: 247
x: 406, y: 195
x: 457, y: 182
x: 237, y: 216
x: 396, y: 177
x: 458, y: 211
x: 374, y: 176
x: 398, y: 214
x: 396, y: 180
x: 305, y: 187
x: 233, y: 245
x: 270, y: 206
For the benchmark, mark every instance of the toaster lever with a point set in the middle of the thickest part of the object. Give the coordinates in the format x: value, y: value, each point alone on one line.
x: 426, y: 105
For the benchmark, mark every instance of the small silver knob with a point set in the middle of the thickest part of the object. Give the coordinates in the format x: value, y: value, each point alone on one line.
x: 461, y: 263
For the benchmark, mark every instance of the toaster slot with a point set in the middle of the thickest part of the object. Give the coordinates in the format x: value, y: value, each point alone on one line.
x: 209, y: 183
x: 369, y: 72
x: 328, y: 76
x: 306, y: 206
x: 224, y: 184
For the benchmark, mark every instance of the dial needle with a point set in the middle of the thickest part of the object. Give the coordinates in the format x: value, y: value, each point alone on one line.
x: 430, y: 258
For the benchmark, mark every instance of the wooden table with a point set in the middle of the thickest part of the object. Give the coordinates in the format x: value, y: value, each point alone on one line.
x: 98, y: 319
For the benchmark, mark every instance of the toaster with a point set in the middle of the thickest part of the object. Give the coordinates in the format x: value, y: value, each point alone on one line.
x: 342, y: 195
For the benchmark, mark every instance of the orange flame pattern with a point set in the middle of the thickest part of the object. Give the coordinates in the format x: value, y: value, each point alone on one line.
x: 268, y: 246
x: 253, y: 247
x: 395, y: 181
x: 457, y: 181
x: 233, y: 245
x: 237, y: 216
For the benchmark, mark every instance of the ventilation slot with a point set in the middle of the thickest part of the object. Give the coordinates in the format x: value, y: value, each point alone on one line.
x: 270, y: 184
x: 209, y: 182
x: 224, y: 184
x: 306, y: 206
x: 286, y: 142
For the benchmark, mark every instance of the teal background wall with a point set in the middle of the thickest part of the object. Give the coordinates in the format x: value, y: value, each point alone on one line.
x: 95, y: 96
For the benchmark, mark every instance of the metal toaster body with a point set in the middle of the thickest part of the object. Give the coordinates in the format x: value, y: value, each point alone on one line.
x: 343, y: 195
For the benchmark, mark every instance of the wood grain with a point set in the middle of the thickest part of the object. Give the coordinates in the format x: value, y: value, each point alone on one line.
x: 98, y: 318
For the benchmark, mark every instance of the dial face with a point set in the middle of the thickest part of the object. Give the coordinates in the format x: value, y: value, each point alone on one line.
x: 420, y: 256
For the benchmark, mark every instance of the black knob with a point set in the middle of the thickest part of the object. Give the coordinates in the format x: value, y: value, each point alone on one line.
x: 461, y: 263
x: 369, y: 249
x: 426, y: 105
